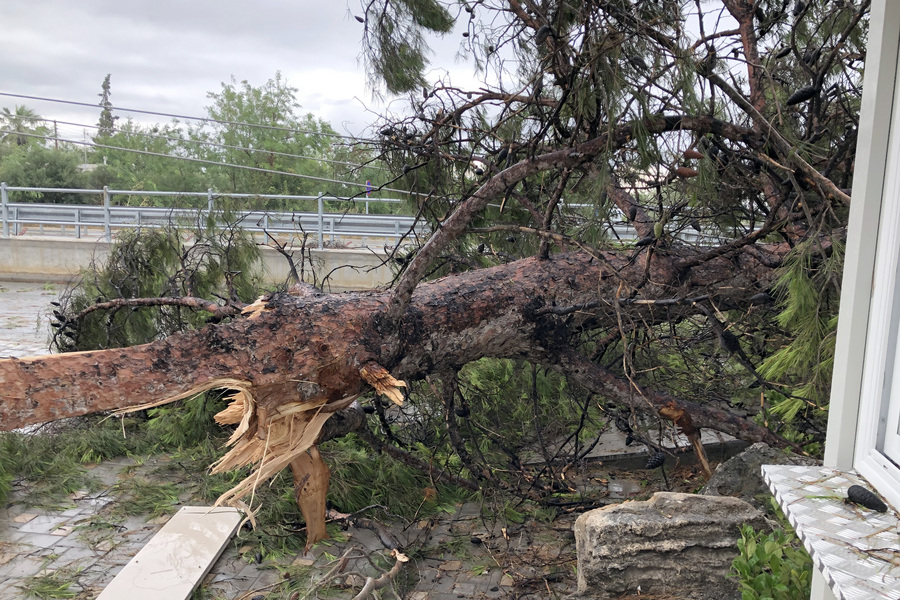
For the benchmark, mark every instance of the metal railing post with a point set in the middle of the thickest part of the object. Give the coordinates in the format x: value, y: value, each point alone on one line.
x: 321, y: 219
x: 4, y: 201
x: 209, y: 200
x: 106, y: 214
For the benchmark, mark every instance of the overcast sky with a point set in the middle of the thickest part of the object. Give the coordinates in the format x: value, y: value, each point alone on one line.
x: 165, y: 55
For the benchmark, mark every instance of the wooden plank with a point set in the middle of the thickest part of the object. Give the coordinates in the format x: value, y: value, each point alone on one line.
x: 177, y: 558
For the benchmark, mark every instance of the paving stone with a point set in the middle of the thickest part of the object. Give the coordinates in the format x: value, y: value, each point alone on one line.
x: 73, y: 555
x: 304, y: 560
x: 493, y: 579
x: 468, y: 510
x: 443, y: 584
x: 8, y: 588
x: 7, y: 534
x: 95, y: 504
x: 25, y: 566
x: 451, y: 565
x: 24, y: 517
x: 43, y: 524
x: 466, y: 590
x: 229, y: 563
x: 38, y: 540
x: 73, y: 540
x: 250, y: 572
x: 368, y: 540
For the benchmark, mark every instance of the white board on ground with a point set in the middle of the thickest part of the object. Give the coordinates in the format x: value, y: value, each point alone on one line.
x: 177, y: 558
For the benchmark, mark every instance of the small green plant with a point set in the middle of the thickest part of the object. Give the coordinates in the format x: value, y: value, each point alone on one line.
x: 772, y: 566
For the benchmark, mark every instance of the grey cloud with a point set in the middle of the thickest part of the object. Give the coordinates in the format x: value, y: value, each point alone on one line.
x: 166, y: 55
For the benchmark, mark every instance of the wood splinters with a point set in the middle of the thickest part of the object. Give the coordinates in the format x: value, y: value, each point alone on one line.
x: 234, y: 412
x: 252, y: 311
x: 379, y: 378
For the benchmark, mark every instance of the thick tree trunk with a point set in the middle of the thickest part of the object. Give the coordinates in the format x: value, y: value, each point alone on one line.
x: 295, y: 359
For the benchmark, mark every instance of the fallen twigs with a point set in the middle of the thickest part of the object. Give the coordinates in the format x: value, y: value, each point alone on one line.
x: 385, y: 579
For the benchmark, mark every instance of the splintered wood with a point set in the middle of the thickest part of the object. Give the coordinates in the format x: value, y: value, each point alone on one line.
x: 682, y: 419
x: 271, y: 440
x: 274, y: 438
x: 311, y: 477
x: 378, y: 377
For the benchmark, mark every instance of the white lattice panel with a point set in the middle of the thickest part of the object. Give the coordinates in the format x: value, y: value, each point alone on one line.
x: 856, y: 549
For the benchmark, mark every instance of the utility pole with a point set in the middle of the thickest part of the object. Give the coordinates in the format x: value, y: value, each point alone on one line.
x: 55, y: 135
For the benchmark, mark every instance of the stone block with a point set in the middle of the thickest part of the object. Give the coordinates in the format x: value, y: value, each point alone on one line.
x: 741, y: 475
x: 680, y: 544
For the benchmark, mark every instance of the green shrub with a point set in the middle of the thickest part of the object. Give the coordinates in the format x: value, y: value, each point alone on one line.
x: 772, y: 566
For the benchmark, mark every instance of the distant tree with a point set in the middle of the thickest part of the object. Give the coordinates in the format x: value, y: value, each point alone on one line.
x: 19, y: 125
x: 35, y: 165
x: 107, y: 123
x: 277, y: 138
x: 147, y: 158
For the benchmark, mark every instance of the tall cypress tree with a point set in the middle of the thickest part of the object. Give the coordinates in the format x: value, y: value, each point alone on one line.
x: 107, y: 122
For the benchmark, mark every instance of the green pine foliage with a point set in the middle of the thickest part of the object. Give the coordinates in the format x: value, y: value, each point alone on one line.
x: 188, y: 423
x: 49, y: 465
x: 809, y: 288
x: 361, y: 478
x: 157, y: 263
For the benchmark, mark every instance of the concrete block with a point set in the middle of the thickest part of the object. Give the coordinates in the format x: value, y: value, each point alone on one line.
x: 177, y: 558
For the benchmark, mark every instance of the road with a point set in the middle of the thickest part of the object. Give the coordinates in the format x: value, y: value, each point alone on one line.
x: 25, y: 317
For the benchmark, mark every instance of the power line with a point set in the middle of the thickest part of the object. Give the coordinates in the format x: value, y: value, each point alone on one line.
x: 203, y: 142
x: 176, y: 116
x: 207, y: 162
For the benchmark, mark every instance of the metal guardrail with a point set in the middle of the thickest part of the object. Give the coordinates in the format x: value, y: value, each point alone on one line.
x: 76, y: 219
x: 347, y: 228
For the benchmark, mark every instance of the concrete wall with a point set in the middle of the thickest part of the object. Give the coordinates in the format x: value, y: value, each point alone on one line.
x: 59, y: 260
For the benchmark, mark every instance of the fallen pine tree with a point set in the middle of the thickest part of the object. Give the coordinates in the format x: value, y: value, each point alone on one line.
x: 735, y: 189
x: 294, y: 359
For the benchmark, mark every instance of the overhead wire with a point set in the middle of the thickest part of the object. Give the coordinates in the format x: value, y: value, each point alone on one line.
x: 202, y: 142
x: 177, y: 116
x: 207, y: 162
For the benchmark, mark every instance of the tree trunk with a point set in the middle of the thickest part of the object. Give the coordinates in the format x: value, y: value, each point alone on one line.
x: 295, y: 359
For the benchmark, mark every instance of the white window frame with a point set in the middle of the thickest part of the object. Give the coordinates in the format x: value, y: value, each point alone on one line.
x: 877, y: 435
x: 854, y: 414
